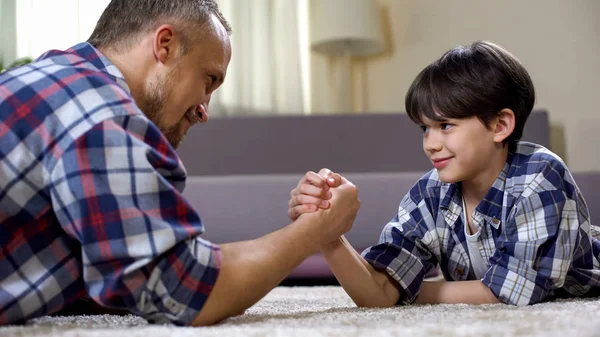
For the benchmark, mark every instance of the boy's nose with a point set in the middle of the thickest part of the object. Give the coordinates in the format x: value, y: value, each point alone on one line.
x: 432, y: 142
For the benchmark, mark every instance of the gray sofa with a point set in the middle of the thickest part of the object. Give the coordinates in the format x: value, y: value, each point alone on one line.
x: 242, y: 170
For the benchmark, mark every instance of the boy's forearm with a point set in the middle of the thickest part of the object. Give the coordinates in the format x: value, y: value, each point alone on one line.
x: 366, y: 286
x: 468, y: 292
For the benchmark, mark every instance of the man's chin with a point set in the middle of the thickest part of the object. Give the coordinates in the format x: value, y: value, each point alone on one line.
x: 174, y: 140
x: 176, y: 143
x: 174, y: 135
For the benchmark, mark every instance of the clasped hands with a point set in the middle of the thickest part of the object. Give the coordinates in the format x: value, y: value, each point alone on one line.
x: 328, y: 197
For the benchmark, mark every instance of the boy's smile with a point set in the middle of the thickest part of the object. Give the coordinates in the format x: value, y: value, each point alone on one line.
x: 440, y: 163
x: 463, y: 150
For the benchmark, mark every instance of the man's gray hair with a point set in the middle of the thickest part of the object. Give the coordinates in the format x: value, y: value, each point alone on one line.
x: 124, y: 21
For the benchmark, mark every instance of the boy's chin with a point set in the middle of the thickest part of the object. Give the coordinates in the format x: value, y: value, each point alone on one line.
x: 448, y: 177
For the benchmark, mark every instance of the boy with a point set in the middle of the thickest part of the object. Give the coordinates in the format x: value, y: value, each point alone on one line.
x: 503, y: 217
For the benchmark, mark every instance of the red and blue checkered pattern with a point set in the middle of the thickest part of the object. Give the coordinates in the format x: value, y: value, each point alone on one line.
x: 90, y: 198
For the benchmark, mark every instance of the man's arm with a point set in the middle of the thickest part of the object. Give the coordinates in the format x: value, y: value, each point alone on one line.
x: 250, y: 269
x: 140, y: 239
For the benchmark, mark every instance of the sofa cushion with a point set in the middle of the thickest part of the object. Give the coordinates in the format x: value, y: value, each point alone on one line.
x: 589, y: 184
x: 296, y: 144
x: 236, y: 208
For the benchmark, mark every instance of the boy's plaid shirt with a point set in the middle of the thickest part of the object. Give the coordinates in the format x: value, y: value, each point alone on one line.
x: 90, y: 198
x: 536, y: 235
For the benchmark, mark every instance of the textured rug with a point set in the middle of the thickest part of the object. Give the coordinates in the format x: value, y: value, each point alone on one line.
x: 328, y: 311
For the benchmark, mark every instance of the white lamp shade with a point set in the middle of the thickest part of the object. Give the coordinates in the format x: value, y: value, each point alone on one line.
x: 339, y: 26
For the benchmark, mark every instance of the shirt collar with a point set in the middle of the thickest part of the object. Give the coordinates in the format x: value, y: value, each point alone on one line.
x: 92, y: 55
x: 490, y: 207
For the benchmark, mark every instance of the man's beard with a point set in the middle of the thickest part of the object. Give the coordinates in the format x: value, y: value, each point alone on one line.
x: 155, y: 95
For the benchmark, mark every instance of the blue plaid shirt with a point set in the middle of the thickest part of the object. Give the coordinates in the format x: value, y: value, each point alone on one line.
x: 535, y: 233
x: 90, y: 198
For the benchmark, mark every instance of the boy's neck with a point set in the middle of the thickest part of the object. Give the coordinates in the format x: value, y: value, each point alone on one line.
x: 475, y: 189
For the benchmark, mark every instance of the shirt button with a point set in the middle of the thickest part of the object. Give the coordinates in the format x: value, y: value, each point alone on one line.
x: 460, y: 271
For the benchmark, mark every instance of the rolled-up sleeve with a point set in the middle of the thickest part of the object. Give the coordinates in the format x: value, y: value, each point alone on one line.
x: 404, y: 248
x: 535, y: 250
x: 117, y: 191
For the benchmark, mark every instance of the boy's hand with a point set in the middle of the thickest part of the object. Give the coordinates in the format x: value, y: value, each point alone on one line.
x: 312, y: 193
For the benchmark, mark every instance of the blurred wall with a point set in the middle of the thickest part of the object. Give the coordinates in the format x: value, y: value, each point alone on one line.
x: 557, y: 41
x: 8, y: 44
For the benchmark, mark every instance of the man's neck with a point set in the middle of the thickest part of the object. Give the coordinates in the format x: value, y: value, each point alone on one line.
x: 133, y: 65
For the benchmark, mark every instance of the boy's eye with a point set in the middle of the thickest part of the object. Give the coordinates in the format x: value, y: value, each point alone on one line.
x: 445, y: 126
x: 424, y: 128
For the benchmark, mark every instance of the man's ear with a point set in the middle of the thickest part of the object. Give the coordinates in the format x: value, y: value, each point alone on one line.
x: 504, y: 125
x: 165, y: 44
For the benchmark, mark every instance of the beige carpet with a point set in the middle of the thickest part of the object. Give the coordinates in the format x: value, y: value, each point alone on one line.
x: 328, y: 311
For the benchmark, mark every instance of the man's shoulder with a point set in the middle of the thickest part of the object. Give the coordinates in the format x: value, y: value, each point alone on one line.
x: 66, y: 93
x: 78, y: 68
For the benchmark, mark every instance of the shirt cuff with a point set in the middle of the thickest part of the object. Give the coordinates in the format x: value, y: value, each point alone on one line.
x: 188, y: 280
x: 512, y: 288
x: 404, y: 267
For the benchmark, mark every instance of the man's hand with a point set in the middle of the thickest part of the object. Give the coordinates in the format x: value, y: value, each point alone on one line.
x: 312, y: 192
x: 334, y: 221
x: 250, y: 269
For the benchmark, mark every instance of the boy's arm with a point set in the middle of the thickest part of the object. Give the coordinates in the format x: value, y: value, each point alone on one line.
x: 535, y: 252
x: 468, y: 292
x: 404, y: 249
x: 366, y: 286
x: 369, y: 287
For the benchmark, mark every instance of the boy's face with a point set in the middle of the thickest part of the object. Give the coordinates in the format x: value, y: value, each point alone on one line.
x: 460, y: 149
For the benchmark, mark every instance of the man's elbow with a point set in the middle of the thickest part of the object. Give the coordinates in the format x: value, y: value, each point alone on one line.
x: 204, y: 319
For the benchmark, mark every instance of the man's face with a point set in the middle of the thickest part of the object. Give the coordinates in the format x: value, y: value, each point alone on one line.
x: 177, y: 97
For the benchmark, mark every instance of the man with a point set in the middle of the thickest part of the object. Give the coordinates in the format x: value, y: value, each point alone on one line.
x: 90, y: 183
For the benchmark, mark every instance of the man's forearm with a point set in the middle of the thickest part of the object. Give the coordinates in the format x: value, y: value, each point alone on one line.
x: 366, y: 286
x: 469, y: 292
x: 250, y: 269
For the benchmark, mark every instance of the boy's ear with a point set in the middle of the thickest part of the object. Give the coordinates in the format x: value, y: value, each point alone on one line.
x: 504, y: 126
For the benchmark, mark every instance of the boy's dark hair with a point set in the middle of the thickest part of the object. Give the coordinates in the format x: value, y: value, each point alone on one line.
x: 479, y: 80
x: 124, y: 21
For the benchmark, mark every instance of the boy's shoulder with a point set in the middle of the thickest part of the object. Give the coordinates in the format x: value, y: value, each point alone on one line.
x: 530, y: 156
x: 532, y: 168
x: 429, y: 186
